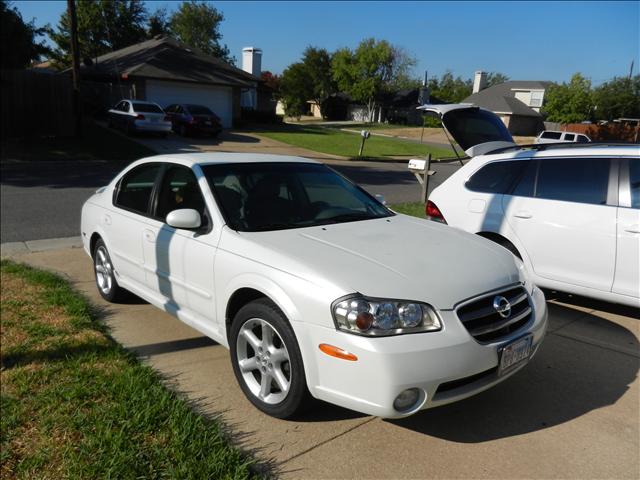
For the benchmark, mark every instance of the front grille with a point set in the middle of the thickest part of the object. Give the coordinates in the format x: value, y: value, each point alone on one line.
x: 485, y: 324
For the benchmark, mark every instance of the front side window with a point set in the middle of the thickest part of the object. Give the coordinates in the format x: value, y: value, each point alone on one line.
x: 496, y: 177
x: 179, y: 189
x: 551, y: 135
x: 275, y: 196
x: 581, y: 180
x: 135, y: 188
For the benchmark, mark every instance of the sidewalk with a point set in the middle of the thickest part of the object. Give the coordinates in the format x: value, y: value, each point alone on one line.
x: 572, y: 413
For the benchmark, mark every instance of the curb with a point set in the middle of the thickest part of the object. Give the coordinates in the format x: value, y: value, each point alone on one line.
x: 9, y: 249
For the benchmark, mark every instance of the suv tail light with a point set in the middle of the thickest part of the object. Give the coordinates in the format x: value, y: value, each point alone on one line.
x: 139, y: 117
x: 434, y: 213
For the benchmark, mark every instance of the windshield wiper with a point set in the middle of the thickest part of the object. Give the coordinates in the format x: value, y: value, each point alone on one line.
x: 272, y: 226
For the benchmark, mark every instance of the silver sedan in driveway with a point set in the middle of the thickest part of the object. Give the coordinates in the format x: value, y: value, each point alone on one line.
x: 139, y: 116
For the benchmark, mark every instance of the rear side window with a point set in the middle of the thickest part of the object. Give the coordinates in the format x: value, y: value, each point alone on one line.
x: 634, y: 182
x: 496, y: 177
x: 569, y: 137
x: 135, y: 188
x: 551, y: 135
x: 581, y: 180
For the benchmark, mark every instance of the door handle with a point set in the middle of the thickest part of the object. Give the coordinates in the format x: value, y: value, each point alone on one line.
x: 522, y: 214
x: 149, y: 236
x: 106, y: 219
x: 632, y: 228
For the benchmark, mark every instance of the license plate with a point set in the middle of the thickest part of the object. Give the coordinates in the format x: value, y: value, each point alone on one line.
x: 514, y: 353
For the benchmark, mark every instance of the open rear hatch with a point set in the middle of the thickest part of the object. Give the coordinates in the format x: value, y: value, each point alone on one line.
x: 476, y: 130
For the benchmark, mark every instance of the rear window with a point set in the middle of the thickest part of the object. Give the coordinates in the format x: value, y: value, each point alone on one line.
x: 496, y: 177
x: 199, y: 110
x: 551, y: 135
x: 146, y: 107
x: 472, y: 126
x: 581, y: 180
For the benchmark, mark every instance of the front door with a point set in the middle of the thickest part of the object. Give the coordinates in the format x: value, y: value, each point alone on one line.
x: 179, y: 262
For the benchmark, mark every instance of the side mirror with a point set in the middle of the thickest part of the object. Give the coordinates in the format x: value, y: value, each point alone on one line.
x: 187, y: 218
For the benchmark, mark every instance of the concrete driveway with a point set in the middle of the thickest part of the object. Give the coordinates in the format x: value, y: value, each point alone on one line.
x: 572, y: 413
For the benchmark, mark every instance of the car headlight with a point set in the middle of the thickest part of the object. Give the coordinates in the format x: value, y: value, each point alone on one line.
x: 382, y: 317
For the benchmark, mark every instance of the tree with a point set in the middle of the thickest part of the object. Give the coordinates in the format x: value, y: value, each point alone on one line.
x: 569, y: 103
x: 197, y: 24
x: 18, y: 45
x: 294, y: 88
x: 370, y: 71
x: 272, y: 81
x: 158, y: 24
x: 317, y: 64
x: 450, y: 89
x: 618, y: 98
x: 496, y: 78
x: 103, y: 26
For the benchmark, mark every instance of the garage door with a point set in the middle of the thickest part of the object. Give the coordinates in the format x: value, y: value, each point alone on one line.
x: 218, y: 99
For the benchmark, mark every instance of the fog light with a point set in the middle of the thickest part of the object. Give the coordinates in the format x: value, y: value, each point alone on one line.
x: 406, y: 400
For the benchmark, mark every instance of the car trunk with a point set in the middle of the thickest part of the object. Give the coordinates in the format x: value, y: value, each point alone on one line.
x: 476, y: 130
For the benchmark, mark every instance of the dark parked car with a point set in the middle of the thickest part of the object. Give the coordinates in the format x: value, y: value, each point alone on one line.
x: 188, y: 119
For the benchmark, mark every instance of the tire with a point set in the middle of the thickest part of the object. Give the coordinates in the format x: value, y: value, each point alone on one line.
x: 104, y: 275
x: 272, y: 378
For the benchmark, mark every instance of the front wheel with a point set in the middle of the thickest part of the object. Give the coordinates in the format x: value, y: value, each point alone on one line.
x: 266, y: 360
x: 104, y: 273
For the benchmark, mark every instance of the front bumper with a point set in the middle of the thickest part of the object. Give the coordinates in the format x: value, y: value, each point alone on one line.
x: 445, y: 366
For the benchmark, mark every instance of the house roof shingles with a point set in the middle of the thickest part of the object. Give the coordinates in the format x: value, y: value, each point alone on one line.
x: 501, y: 98
x: 165, y: 58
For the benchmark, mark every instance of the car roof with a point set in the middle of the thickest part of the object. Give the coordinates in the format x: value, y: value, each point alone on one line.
x: 213, y: 158
x: 567, y: 150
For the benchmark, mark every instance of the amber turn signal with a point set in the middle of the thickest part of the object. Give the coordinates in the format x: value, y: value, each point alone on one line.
x: 337, y: 352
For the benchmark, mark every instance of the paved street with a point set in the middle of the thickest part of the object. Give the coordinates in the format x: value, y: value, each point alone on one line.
x: 572, y: 413
x: 43, y: 199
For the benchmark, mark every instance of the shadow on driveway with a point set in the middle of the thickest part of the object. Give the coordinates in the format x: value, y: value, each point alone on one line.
x: 567, y: 379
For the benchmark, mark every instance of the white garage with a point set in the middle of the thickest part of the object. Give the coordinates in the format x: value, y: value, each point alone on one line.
x: 217, y: 98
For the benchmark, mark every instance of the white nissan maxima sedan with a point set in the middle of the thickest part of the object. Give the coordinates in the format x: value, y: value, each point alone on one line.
x: 314, y: 286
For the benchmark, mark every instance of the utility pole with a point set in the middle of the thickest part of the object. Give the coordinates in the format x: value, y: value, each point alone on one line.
x: 75, y: 58
x: 631, y: 71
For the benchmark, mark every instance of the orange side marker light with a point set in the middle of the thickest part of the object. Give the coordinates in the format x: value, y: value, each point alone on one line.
x: 337, y: 352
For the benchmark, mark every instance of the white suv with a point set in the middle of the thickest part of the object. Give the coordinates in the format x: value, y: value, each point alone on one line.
x: 571, y: 213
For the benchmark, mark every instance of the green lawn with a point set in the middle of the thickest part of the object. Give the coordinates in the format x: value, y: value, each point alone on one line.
x: 415, y: 209
x: 97, y: 143
x: 77, y: 405
x: 336, y: 142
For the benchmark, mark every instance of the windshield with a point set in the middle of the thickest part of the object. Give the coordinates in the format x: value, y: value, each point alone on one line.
x: 274, y: 196
x: 146, y: 107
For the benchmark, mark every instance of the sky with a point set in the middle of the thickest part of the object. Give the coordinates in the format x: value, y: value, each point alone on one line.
x: 541, y: 40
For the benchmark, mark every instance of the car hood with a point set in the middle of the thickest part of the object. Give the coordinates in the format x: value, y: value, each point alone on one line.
x: 475, y: 129
x: 397, y: 257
